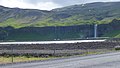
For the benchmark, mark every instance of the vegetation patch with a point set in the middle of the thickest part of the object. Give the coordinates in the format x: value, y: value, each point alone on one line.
x: 21, y: 59
x: 113, y: 34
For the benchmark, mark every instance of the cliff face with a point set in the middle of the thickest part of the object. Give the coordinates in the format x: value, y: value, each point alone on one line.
x: 71, y: 22
x: 47, y: 33
x: 60, y: 33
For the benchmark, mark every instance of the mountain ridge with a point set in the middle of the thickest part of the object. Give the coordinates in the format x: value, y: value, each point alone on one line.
x: 67, y: 23
x: 89, y: 13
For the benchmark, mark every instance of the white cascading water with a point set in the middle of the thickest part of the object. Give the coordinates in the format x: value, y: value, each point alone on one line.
x: 95, y: 30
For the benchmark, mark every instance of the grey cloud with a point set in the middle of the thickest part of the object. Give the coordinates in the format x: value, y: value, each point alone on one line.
x: 72, y: 2
x: 66, y: 2
x: 37, y: 1
x: 60, y: 2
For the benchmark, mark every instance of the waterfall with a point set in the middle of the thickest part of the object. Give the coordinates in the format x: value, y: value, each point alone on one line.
x: 95, y: 30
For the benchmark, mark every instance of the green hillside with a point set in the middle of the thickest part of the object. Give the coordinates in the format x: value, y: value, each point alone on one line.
x: 89, y: 13
x: 113, y: 34
x: 71, y: 22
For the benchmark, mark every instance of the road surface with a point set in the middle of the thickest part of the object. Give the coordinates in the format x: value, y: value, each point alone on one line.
x: 111, y: 60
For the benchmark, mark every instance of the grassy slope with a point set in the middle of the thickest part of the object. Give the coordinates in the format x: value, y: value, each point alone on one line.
x: 118, y: 36
x: 115, y: 34
x: 48, y: 22
x: 14, y: 23
x: 99, y: 13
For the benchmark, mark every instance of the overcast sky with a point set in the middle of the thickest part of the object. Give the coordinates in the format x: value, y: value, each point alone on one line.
x: 45, y: 4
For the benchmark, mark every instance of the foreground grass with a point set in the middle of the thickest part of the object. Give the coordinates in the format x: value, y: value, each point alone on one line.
x: 4, y: 60
x: 21, y: 59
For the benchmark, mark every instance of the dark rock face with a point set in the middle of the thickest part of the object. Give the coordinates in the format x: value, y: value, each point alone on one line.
x: 61, y: 32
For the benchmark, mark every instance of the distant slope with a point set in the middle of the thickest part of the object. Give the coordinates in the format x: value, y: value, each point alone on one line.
x: 90, y: 13
x: 113, y: 34
x: 113, y: 29
x: 20, y: 17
